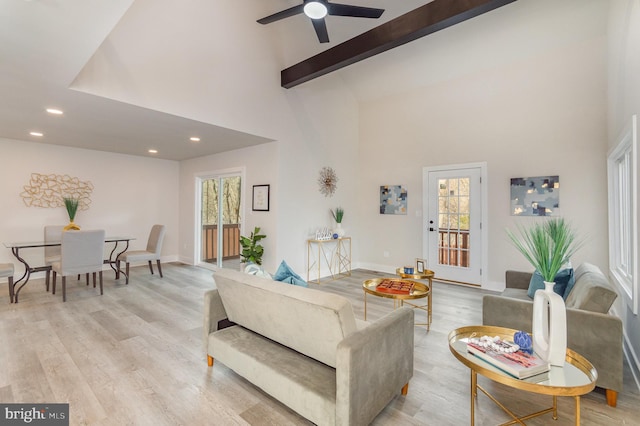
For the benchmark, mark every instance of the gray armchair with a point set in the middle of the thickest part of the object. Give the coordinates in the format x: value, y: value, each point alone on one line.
x: 591, y: 331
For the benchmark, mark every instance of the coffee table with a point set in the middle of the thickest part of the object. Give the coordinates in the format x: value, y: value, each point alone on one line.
x: 426, y: 275
x: 419, y: 291
x: 577, y: 377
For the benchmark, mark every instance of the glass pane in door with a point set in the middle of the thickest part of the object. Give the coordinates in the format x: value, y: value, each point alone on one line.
x: 453, y: 214
x: 209, y: 220
x: 220, y: 209
x: 231, y: 222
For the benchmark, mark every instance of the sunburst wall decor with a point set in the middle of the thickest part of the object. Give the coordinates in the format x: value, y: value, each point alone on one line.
x: 327, y: 181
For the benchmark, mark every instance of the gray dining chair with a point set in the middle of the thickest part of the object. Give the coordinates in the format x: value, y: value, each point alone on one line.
x: 81, y: 252
x: 6, y: 271
x: 153, y: 251
x: 52, y: 233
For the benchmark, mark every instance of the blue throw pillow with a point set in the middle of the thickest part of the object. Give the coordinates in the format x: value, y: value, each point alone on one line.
x: 286, y: 275
x: 564, y: 280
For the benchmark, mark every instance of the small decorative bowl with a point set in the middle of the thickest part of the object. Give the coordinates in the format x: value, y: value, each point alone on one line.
x: 522, y: 339
x: 408, y: 270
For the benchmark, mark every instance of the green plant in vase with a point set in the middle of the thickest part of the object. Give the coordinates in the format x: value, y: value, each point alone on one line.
x: 547, y: 246
x: 252, y: 251
x: 71, y: 204
x: 338, y: 214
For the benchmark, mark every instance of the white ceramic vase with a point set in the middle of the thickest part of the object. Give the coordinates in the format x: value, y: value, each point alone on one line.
x: 339, y: 230
x: 549, y: 325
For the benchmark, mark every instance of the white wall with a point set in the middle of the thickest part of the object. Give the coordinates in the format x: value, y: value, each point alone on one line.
x: 623, y: 102
x: 130, y: 195
x: 542, y: 115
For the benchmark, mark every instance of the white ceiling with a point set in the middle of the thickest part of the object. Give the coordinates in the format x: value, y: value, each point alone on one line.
x: 44, y: 45
x: 50, y: 51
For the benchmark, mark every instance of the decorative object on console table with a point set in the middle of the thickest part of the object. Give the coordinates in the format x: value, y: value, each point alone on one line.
x: 260, y: 202
x: 548, y: 246
x: 71, y: 204
x: 421, y: 266
x: 337, y: 216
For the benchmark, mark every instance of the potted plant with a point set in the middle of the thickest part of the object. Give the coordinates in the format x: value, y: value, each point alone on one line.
x: 252, y: 251
x: 547, y: 246
x: 338, y: 214
x: 71, y: 204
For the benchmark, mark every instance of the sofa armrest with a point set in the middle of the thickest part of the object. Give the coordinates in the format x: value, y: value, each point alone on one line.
x: 372, y: 366
x: 596, y: 336
x: 214, y: 313
x: 517, y: 279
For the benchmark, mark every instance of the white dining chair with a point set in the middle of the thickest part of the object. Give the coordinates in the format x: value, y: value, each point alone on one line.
x: 82, y: 252
x: 6, y: 271
x: 153, y: 251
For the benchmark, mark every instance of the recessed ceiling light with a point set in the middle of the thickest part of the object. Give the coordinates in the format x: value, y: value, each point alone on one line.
x: 194, y: 139
x: 36, y: 134
x: 153, y: 151
x: 54, y: 111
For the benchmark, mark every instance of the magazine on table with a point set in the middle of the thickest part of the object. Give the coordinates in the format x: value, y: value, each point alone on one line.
x: 507, y: 357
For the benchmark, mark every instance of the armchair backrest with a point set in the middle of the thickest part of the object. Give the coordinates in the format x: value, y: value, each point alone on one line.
x: 154, y: 244
x: 82, y: 252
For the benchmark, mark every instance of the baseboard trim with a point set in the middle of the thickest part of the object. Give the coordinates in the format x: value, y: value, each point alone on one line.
x: 632, y: 359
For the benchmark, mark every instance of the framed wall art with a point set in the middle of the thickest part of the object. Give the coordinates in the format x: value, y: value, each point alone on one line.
x: 260, y: 198
x: 393, y: 199
x: 535, y: 196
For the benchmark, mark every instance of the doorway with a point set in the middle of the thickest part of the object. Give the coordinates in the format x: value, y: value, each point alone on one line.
x: 453, y: 235
x: 219, y: 220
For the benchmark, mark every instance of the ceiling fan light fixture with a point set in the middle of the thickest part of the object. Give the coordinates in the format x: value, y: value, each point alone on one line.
x: 315, y: 10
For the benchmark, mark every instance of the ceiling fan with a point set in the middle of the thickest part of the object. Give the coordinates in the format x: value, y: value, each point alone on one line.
x: 318, y: 9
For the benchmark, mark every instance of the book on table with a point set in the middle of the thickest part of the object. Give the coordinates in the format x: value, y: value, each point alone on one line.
x: 518, y: 364
x: 394, y: 286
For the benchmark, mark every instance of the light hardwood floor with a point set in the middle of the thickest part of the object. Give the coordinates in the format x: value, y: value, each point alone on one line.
x: 135, y: 357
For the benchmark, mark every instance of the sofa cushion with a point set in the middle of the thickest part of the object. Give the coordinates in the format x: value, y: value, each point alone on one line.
x: 309, y: 321
x: 564, y: 281
x: 591, y: 291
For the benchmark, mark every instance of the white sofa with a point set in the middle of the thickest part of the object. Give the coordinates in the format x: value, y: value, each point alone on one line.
x: 305, y: 347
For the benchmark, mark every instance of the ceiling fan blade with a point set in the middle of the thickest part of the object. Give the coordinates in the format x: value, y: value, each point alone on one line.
x: 295, y: 10
x: 321, y: 30
x: 354, y: 11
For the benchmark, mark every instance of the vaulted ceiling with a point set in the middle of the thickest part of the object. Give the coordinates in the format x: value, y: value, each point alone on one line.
x: 86, y: 58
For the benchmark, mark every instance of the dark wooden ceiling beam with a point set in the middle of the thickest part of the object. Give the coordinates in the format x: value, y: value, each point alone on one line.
x: 427, y: 19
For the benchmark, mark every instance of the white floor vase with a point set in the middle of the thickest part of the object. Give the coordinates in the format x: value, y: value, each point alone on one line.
x: 549, y: 325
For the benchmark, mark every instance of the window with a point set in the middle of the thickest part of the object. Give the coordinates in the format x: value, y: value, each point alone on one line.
x: 622, y: 168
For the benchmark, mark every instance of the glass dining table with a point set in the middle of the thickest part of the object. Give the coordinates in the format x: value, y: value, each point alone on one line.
x: 15, y: 247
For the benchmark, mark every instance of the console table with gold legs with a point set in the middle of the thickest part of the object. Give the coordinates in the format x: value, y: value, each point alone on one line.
x: 335, y: 253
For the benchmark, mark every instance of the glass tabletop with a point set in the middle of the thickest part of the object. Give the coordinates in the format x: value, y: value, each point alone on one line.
x: 42, y: 243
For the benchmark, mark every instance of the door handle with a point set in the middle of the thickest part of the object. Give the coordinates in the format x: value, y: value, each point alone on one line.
x: 431, y: 229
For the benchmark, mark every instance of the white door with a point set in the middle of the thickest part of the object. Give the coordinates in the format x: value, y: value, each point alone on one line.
x: 453, y: 229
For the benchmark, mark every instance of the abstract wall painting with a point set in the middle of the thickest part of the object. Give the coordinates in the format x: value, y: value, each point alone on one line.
x: 535, y: 196
x: 393, y: 199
